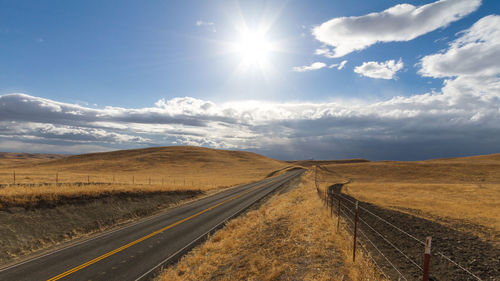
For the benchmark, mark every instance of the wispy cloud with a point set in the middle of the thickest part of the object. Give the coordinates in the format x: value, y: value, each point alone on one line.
x: 339, y: 66
x: 210, y: 25
x: 402, y: 22
x: 380, y: 70
x: 313, y: 66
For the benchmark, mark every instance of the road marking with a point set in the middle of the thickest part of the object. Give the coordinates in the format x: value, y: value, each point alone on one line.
x: 108, y: 254
x: 195, y: 240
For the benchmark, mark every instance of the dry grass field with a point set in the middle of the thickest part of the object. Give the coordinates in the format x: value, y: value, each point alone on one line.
x: 95, y: 192
x: 49, y: 177
x: 461, y: 192
x: 290, y: 237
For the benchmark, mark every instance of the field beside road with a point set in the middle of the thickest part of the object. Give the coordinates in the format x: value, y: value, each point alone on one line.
x: 455, y: 201
x: 289, y: 237
x: 94, y: 192
x: 458, y: 192
x: 43, y: 179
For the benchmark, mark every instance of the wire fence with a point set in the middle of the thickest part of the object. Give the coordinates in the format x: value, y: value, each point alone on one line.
x: 393, y: 249
x: 62, y: 179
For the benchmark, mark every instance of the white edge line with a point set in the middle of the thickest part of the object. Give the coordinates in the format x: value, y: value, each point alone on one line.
x: 201, y: 236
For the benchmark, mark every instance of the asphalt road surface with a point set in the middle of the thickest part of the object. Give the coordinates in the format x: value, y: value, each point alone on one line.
x: 136, y: 251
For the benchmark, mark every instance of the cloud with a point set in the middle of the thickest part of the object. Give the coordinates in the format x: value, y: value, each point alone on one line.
x: 416, y: 127
x: 476, y: 53
x: 402, y: 22
x: 342, y: 64
x: 339, y: 66
x: 379, y: 70
x: 313, y: 66
x: 210, y: 25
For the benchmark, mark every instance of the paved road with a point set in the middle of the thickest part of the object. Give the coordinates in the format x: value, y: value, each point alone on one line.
x: 135, y: 251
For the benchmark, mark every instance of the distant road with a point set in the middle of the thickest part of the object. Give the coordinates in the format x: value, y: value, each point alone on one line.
x: 136, y: 251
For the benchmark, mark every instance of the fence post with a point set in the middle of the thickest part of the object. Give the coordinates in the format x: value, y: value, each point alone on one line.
x: 88, y: 178
x: 113, y: 178
x: 14, y: 177
x: 338, y: 214
x: 331, y: 204
x: 355, y: 233
x: 133, y: 179
x: 427, y: 257
x: 316, y: 176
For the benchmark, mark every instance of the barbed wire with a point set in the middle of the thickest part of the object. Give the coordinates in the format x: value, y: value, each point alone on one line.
x: 437, y: 253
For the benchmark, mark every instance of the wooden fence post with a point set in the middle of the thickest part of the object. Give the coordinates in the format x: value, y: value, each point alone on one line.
x: 88, y: 178
x: 355, y: 233
x: 133, y: 179
x: 14, y: 177
x: 427, y: 257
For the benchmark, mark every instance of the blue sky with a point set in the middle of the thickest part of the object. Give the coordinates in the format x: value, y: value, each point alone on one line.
x: 81, y: 76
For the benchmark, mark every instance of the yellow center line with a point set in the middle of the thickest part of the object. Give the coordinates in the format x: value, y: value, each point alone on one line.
x: 90, y: 262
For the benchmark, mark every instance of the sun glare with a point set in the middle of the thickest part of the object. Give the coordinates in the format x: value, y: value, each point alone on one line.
x: 253, y: 47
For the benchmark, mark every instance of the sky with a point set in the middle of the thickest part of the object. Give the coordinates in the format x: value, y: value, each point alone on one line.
x: 382, y: 80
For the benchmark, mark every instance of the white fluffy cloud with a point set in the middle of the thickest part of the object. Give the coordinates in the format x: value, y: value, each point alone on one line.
x: 379, y: 70
x: 313, y: 66
x: 416, y: 127
x: 402, y: 22
x: 471, y: 64
x: 475, y: 53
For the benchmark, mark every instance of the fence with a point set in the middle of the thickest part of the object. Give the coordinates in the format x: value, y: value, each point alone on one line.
x: 57, y: 178
x: 398, y: 254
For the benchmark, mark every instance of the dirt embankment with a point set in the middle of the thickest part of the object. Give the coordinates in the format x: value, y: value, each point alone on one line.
x: 27, y: 228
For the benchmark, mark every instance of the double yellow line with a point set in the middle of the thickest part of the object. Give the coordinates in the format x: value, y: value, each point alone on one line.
x: 99, y: 258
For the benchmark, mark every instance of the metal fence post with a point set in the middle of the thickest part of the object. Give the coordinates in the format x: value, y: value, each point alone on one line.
x: 331, y: 204
x: 355, y: 233
x: 427, y: 257
x: 338, y: 213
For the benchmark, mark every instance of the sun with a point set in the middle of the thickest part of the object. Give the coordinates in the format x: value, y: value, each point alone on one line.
x: 253, y: 47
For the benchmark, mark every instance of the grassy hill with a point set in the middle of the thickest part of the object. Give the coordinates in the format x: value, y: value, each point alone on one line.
x: 9, y: 159
x: 148, y: 169
x: 160, y: 158
x: 449, y: 190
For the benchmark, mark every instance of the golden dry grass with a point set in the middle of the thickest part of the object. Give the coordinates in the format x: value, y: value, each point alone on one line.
x: 444, y: 190
x: 290, y: 237
x: 140, y: 170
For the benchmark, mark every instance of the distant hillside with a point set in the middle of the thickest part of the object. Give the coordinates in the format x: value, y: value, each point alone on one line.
x: 158, y: 158
x: 309, y: 163
x: 39, y: 156
x: 10, y: 159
